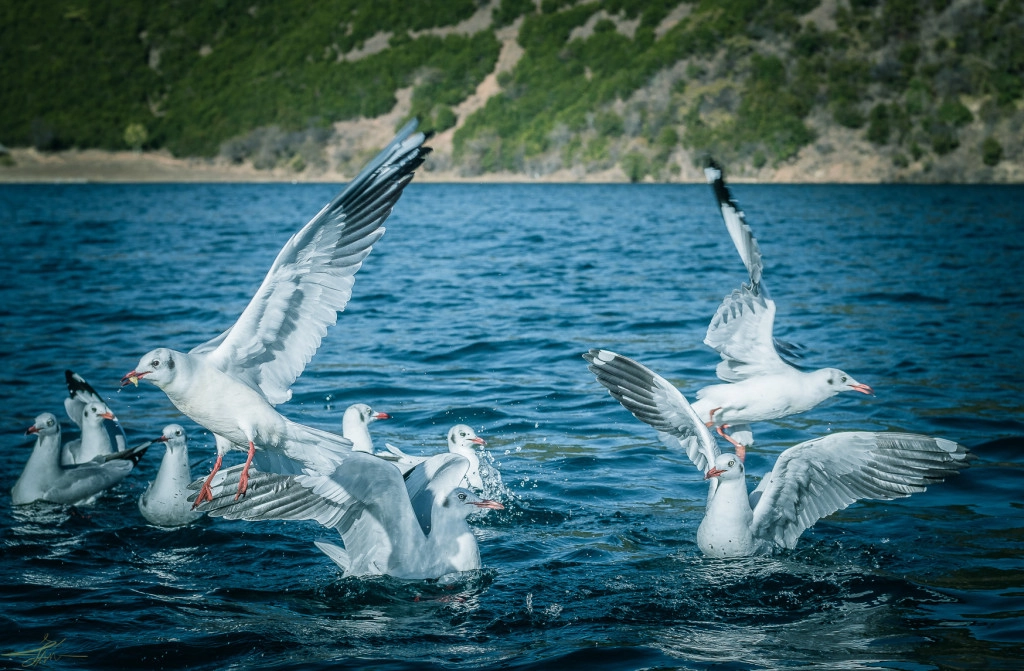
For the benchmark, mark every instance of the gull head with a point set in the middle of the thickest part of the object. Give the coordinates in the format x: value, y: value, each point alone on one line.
x: 95, y: 413
x: 362, y: 413
x: 464, y: 501
x: 45, y: 425
x: 156, y: 366
x: 462, y: 438
x: 837, y: 381
x: 727, y: 467
x: 174, y: 437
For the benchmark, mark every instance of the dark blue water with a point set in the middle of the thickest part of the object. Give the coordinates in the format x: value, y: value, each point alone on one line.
x: 475, y: 307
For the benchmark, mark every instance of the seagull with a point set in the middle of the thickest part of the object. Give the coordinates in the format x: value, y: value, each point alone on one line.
x: 760, y: 385
x: 461, y: 441
x: 165, y: 501
x: 99, y: 436
x: 808, y: 482
x: 413, y: 528
x: 45, y: 479
x: 355, y: 425
x: 230, y: 384
x: 95, y: 440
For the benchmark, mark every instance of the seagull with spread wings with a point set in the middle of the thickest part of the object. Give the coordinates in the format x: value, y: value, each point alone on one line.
x: 808, y: 482
x: 231, y: 384
x: 759, y: 384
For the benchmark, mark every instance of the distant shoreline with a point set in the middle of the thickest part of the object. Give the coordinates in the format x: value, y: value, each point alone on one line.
x: 29, y: 166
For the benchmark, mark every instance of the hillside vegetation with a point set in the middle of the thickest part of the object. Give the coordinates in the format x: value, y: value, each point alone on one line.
x: 924, y: 90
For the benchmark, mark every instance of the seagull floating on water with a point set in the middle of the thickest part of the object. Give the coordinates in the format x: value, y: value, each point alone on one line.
x: 231, y: 384
x: 413, y: 528
x: 165, y: 501
x: 760, y: 384
x: 809, y: 481
x: 44, y: 478
x: 355, y: 425
x: 101, y: 432
x: 462, y: 440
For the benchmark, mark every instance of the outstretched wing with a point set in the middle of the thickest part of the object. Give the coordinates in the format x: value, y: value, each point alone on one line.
x: 365, y: 499
x: 741, y: 333
x: 654, y: 400
x: 741, y: 330
x: 736, y: 223
x: 816, y: 478
x: 311, y: 279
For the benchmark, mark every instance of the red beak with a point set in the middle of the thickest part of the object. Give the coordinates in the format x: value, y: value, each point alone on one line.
x: 108, y: 415
x: 381, y: 415
x: 161, y: 439
x: 132, y: 377
x: 478, y: 440
x: 713, y: 473
x: 32, y: 429
x: 489, y: 504
x: 862, y: 388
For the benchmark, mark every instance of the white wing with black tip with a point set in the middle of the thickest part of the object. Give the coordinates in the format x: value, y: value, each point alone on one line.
x: 655, y: 401
x: 818, y: 477
x: 311, y: 279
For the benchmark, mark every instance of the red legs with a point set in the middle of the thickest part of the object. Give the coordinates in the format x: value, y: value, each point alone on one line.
x: 205, y: 493
x: 243, y: 479
x: 741, y: 449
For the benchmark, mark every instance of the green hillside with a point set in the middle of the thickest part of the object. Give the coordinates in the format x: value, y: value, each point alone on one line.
x: 599, y: 84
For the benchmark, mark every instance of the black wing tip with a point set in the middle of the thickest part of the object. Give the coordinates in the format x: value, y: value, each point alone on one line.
x: 133, y: 455
x: 76, y: 382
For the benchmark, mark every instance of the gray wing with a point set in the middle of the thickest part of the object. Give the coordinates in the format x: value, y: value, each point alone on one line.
x: 741, y: 333
x: 654, y: 400
x: 80, y: 394
x: 431, y: 480
x: 311, y: 279
x: 816, y: 478
x: 78, y: 483
x: 270, y: 496
x: 365, y: 499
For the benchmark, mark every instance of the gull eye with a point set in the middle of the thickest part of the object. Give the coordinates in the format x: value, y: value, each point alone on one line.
x: 462, y: 497
x: 178, y: 432
x: 49, y: 422
x: 732, y: 462
x: 155, y: 363
x: 842, y: 379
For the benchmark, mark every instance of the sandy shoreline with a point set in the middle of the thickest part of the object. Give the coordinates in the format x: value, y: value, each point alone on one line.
x: 29, y: 166
x: 97, y: 166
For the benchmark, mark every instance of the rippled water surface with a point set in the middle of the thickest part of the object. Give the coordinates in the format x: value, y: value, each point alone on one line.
x: 475, y: 307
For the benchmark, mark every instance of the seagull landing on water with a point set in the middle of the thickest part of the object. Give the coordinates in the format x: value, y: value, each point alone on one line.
x: 760, y: 384
x: 44, y: 478
x: 809, y: 481
x: 413, y: 528
x: 231, y: 384
x: 355, y: 425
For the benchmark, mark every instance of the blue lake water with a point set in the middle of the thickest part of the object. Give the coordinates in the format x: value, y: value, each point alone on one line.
x: 475, y: 307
